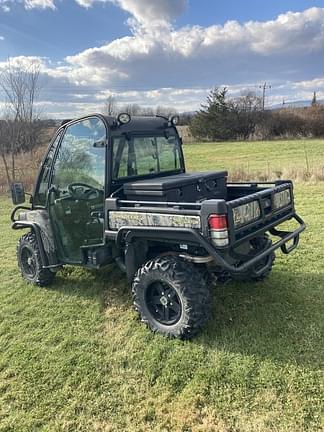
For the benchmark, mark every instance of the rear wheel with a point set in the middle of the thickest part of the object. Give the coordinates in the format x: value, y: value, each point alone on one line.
x: 29, y: 261
x: 171, y: 297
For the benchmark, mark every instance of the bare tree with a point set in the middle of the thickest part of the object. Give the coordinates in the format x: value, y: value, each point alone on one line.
x: 5, y: 146
x: 248, y: 108
x: 132, y: 109
x: 147, y: 111
x: 21, y: 126
x: 165, y: 111
x: 248, y: 101
x: 111, y: 107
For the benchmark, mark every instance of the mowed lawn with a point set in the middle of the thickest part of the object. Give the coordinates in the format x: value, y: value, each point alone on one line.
x: 74, y: 357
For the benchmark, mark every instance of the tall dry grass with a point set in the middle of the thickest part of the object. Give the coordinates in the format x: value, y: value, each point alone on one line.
x: 27, y: 166
x: 313, y: 175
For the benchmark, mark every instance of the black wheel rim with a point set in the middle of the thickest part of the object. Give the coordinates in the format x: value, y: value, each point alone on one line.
x: 163, y: 303
x: 28, y: 262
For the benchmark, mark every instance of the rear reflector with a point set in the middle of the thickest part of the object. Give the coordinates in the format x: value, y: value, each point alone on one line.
x: 221, y: 234
x: 220, y: 242
x: 217, y: 222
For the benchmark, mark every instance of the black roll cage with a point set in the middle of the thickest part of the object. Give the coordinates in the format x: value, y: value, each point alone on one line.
x: 113, y: 129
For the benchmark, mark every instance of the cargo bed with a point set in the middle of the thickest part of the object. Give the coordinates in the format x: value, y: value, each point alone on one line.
x: 238, y: 194
x: 171, y: 220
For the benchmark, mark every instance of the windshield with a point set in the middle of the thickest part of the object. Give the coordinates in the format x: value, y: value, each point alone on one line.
x: 142, y: 155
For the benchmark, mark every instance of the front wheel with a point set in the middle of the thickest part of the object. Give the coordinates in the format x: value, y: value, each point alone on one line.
x: 171, y: 297
x: 29, y: 261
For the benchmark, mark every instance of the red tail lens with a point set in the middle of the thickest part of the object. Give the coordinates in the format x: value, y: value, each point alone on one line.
x: 217, y: 222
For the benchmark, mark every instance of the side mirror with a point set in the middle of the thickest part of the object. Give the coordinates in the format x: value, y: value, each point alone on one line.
x: 18, y: 193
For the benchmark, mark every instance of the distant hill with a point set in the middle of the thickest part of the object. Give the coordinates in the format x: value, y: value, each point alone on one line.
x: 296, y: 104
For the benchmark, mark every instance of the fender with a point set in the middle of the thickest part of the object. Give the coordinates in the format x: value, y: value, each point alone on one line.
x: 38, y: 221
x: 135, y: 255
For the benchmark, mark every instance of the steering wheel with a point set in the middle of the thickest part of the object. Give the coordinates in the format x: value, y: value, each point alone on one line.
x: 88, y: 192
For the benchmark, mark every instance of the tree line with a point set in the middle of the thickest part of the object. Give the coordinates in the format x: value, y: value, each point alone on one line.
x: 112, y: 107
x: 224, y: 118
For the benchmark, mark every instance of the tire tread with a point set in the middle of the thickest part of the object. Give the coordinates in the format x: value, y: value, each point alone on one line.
x: 191, y: 286
x: 44, y: 277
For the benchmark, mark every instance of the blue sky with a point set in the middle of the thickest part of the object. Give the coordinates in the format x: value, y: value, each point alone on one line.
x: 61, y: 32
x: 71, y: 28
x: 208, y: 12
x: 170, y: 52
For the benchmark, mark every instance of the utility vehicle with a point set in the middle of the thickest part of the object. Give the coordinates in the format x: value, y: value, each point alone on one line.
x: 116, y: 190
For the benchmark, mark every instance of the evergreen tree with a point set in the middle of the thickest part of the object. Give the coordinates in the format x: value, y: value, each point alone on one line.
x: 314, y: 100
x: 217, y: 119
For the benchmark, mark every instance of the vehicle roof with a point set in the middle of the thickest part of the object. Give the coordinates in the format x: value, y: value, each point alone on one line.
x: 140, y: 122
x: 137, y: 123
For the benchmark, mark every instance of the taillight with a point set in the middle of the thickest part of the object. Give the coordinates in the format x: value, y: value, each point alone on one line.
x: 217, y: 222
x: 218, y: 229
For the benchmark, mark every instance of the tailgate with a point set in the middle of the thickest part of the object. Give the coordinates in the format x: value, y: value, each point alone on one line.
x: 258, y: 208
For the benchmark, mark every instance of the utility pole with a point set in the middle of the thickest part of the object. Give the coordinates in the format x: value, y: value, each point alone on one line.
x: 264, y: 88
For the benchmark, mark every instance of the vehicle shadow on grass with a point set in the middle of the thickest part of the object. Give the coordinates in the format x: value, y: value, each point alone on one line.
x: 279, y: 318
x: 107, y: 285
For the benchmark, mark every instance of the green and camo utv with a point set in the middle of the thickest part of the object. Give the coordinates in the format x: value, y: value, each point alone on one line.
x: 115, y: 190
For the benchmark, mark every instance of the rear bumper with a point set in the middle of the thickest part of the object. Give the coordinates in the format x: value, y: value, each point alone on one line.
x: 284, y: 238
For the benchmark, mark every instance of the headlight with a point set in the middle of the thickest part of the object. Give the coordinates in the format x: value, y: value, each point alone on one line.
x: 246, y: 213
x: 281, y: 199
x: 123, y: 118
x: 175, y: 120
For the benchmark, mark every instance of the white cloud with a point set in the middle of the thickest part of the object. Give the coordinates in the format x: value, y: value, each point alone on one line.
x: 2, y: 38
x: 39, y: 4
x: 4, y: 8
x: 64, y: 95
x: 310, y: 85
x: 23, y: 62
x: 28, y: 4
x: 191, y: 56
x: 146, y: 11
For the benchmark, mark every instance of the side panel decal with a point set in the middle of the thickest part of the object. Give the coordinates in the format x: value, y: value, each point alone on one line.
x: 118, y: 219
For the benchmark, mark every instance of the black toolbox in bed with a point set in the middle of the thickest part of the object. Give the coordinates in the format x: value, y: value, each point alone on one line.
x: 185, y: 187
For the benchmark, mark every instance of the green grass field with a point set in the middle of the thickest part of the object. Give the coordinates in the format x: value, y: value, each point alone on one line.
x: 74, y: 357
x: 283, y: 155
